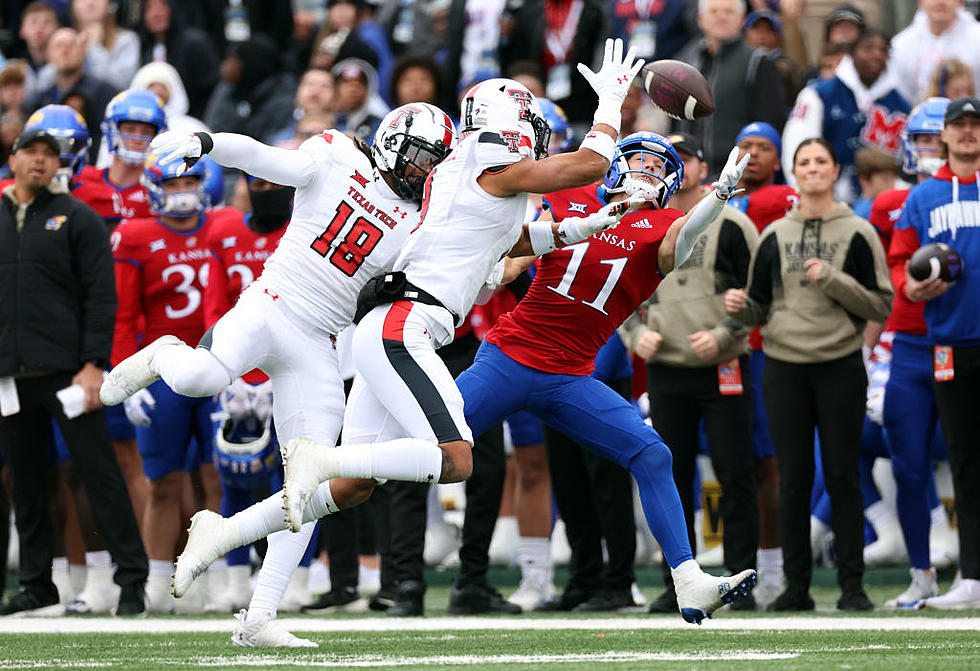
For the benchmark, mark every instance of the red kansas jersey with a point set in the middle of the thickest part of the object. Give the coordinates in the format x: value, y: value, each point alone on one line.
x: 583, y: 292
x: 160, y: 276
x: 906, y: 316
x: 237, y: 256
x: 113, y: 203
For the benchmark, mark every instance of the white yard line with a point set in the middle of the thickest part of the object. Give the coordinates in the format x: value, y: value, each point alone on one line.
x: 79, y: 625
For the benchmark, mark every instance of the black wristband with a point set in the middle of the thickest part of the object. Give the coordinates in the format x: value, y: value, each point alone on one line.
x: 207, y: 144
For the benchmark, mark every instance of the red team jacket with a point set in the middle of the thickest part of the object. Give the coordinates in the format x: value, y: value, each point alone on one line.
x: 583, y: 292
x: 906, y: 316
x: 237, y: 256
x: 160, y: 276
x: 113, y: 203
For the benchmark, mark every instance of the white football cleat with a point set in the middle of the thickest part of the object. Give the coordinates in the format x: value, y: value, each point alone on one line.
x: 159, y: 600
x: 923, y: 587
x: 264, y: 632
x: 305, y: 465
x: 964, y: 596
x: 94, y: 600
x: 210, y: 536
x: 133, y: 373
x: 700, y: 594
x: 532, y: 593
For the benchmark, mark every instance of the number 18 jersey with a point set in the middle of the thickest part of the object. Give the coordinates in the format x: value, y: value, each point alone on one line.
x: 347, y: 226
x: 583, y: 292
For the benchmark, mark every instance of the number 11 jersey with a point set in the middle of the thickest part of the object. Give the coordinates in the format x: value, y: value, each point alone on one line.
x: 583, y: 292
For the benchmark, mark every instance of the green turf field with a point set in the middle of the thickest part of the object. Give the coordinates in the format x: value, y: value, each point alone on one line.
x: 885, y: 640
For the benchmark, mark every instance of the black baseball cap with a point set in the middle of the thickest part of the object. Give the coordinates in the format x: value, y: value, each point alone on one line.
x: 962, y: 107
x: 686, y: 143
x: 845, y: 12
x: 41, y: 134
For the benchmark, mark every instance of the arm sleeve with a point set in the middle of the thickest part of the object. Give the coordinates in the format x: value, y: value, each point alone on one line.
x: 805, y: 121
x: 763, y: 270
x: 92, y: 259
x: 862, y: 287
x: 287, y: 167
x: 216, y: 299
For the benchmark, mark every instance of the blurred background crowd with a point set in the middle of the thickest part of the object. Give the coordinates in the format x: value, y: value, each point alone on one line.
x: 782, y: 72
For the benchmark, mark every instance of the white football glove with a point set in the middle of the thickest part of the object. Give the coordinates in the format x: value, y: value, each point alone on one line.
x: 730, y: 175
x: 878, y: 372
x: 576, y: 229
x: 171, y: 146
x: 262, y: 400
x: 612, y: 82
x: 236, y: 399
x: 136, y: 407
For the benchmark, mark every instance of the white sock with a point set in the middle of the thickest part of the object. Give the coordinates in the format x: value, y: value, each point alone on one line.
x: 190, y: 371
x: 161, y: 567
x: 321, y: 504
x: 266, y: 517
x: 238, y: 578
x: 534, y: 557
x: 61, y: 578
x: 406, y: 459
x: 77, y: 575
x: 98, y: 559
x: 879, y: 513
x: 218, y: 565
x: 817, y: 526
x: 286, y: 549
x: 938, y: 518
x: 770, y: 562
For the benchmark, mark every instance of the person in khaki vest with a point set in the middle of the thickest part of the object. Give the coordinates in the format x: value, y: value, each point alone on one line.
x: 818, y: 276
x: 697, y: 359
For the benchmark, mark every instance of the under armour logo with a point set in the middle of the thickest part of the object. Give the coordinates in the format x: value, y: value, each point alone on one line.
x: 359, y: 178
x: 400, y: 211
x: 274, y: 297
x: 622, y: 79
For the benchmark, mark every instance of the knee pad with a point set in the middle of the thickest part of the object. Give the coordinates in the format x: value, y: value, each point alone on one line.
x: 652, y: 458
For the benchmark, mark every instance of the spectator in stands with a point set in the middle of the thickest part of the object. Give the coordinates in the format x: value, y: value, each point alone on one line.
x: 527, y: 73
x: 876, y: 172
x: 945, y: 209
x: 38, y: 23
x: 165, y: 38
x: 230, y: 22
x: 558, y: 34
x: 112, y: 53
x: 13, y: 87
x: 314, y: 95
x: 57, y: 248
x: 66, y: 52
x: 415, y: 78
x: 414, y: 27
x: 11, y: 124
x: 860, y: 106
x: 763, y: 30
x: 255, y: 96
x: 339, y: 38
x: 952, y: 79
x: 477, y: 30
x: 655, y: 29
x: 818, y: 275
x: 163, y: 80
x: 356, y: 103
x: 743, y: 80
x: 941, y: 30
x: 826, y: 22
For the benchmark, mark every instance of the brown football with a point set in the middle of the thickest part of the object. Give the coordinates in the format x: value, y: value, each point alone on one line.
x: 678, y: 89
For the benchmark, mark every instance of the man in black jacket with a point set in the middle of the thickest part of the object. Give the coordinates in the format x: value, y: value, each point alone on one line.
x: 57, y: 311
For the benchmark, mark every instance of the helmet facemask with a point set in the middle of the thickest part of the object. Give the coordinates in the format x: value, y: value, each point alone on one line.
x: 415, y: 159
x: 659, y: 175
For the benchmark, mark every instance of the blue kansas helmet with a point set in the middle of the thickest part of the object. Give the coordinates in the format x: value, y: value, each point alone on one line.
x: 214, y: 181
x: 69, y: 128
x: 246, y: 452
x: 561, y: 132
x: 662, y: 166
x: 132, y: 105
x: 926, y: 119
x: 179, y: 203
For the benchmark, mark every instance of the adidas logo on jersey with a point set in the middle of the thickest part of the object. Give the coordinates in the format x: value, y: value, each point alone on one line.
x: 642, y: 223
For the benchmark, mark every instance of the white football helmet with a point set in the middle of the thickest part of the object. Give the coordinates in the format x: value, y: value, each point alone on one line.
x: 506, y: 103
x: 411, y: 140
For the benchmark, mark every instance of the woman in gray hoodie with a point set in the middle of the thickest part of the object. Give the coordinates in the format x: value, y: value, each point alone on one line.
x: 817, y: 277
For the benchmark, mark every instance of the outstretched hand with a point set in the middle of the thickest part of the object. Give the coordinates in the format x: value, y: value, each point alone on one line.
x: 171, y: 146
x: 731, y: 175
x: 616, y: 73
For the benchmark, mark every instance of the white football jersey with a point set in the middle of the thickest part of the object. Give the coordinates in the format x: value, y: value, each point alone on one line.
x: 465, y: 230
x: 347, y: 227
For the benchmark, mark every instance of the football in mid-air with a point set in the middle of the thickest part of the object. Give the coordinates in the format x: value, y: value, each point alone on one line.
x: 936, y: 260
x: 678, y: 89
